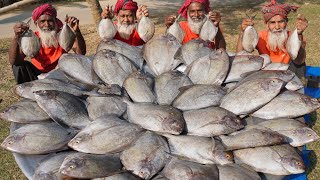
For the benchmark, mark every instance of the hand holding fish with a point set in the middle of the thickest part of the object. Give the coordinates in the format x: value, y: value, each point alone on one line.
x: 301, y: 24
x: 169, y: 20
x: 73, y: 23
x: 19, y: 28
x: 142, y: 10
x: 107, y: 13
x: 245, y: 23
x: 215, y: 17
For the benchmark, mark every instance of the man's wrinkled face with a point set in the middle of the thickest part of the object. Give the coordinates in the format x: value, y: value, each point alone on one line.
x: 278, y: 34
x: 196, y: 11
x: 277, y: 24
x: 46, y: 23
x: 47, y: 28
x: 196, y: 17
x: 126, y: 17
x: 126, y: 23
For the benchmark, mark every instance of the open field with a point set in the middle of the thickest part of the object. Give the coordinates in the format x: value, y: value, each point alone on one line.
x: 230, y: 24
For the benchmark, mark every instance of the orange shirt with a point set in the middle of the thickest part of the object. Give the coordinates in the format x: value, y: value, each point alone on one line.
x: 47, y: 58
x: 275, y: 56
x: 189, y: 35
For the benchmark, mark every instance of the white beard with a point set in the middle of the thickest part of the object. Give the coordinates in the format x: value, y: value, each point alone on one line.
x: 125, y: 30
x: 195, y: 24
x: 277, y: 41
x: 48, y: 38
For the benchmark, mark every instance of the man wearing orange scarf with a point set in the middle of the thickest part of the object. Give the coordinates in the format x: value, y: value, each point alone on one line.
x: 48, y: 25
x: 272, y: 40
x: 194, y: 11
x: 128, y: 14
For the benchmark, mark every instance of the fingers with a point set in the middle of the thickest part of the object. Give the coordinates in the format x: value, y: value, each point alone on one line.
x: 215, y: 17
x: 301, y: 24
x: 107, y: 12
x: 19, y: 28
x: 143, y: 10
x: 245, y: 23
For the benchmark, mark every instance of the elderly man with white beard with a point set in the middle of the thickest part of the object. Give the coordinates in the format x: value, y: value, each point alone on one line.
x: 194, y: 11
x: 272, y: 41
x: 128, y: 14
x: 48, y: 25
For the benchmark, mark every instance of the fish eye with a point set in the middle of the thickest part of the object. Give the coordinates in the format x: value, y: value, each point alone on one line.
x: 77, y: 141
x: 298, y: 163
x: 71, y: 167
x: 10, y: 142
x: 309, y: 135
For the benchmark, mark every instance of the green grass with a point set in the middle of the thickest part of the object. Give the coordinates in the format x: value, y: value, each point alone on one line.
x: 230, y: 24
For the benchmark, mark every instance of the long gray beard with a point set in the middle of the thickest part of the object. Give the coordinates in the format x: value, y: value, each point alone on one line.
x: 195, y: 24
x: 125, y: 30
x: 277, y: 41
x: 48, y: 38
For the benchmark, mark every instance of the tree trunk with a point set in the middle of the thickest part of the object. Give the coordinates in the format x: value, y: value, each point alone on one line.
x: 95, y: 10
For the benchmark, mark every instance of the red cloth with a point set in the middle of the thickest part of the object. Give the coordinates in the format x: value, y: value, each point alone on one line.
x: 125, y: 5
x: 134, y: 39
x: 273, y: 9
x: 46, y: 9
x: 47, y: 58
x: 184, y: 8
x: 189, y: 35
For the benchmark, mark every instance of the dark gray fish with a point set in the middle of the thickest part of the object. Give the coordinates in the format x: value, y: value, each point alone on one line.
x: 293, y: 44
x: 198, y: 149
x: 131, y: 52
x: 208, y: 30
x: 25, y: 112
x: 289, y: 104
x: 167, y: 86
x: 243, y: 64
x: 251, y: 95
x: 211, y: 69
x: 106, y: 135
x: 99, y: 106
x: 277, y: 160
x: 48, y: 168
x: 159, y: 118
x: 252, y: 138
x: 140, y: 87
x: 159, y: 53
x: 64, y: 108
x: 237, y: 172
x: 112, y: 67
x: 38, y: 139
x: 180, y: 169
x: 89, y: 166
x: 250, y: 39
x: 193, y: 50
x: 106, y: 29
x: 147, y: 156
x: 66, y: 37
x: 176, y: 30
x: 146, y: 28
x: 211, y: 121
x: 198, y: 96
x: 82, y: 68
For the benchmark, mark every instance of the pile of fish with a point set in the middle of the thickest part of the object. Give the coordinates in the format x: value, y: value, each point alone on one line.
x: 127, y: 113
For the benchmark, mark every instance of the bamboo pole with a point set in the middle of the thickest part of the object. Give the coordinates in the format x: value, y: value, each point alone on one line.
x: 16, y: 5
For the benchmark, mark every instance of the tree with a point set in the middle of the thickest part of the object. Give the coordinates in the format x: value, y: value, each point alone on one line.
x: 95, y: 10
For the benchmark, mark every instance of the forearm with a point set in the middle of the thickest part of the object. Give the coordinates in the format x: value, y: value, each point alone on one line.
x: 239, y: 42
x: 80, y: 44
x: 301, y: 58
x: 15, y: 56
x: 220, y: 41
